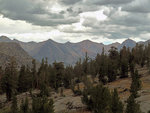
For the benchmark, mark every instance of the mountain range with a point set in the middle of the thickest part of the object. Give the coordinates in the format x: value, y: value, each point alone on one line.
x: 67, y: 52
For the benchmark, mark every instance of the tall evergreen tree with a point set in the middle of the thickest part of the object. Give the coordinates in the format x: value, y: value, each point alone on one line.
x: 24, y: 79
x: 9, y: 80
x: 14, y: 106
x: 59, y: 67
x: 24, y: 107
x: 132, y: 105
x: 98, y: 99
x: 34, y: 74
x: 85, y: 64
x: 136, y: 84
x: 103, y: 67
x: 116, y: 105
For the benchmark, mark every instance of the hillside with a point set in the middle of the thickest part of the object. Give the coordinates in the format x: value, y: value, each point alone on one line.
x: 9, y: 50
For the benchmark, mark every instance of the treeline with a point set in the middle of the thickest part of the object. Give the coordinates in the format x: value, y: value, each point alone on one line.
x: 108, y: 67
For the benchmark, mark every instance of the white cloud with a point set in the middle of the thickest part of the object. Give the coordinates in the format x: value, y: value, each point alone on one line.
x: 99, y: 15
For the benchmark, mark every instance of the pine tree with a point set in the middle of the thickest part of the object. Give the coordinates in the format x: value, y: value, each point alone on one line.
x: 44, y: 90
x: 9, y: 80
x: 113, y: 64
x: 124, y: 62
x: 78, y: 69
x: 21, y: 81
x: 136, y: 84
x: 14, y: 106
x: 59, y: 67
x: 102, y: 67
x: 1, y: 75
x: 34, y: 74
x: 24, y: 107
x: 85, y: 64
x: 116, y: 105
x: 132, y: 105
x: 98, y: 99
x: 68, y: 76
x: 42, y: 105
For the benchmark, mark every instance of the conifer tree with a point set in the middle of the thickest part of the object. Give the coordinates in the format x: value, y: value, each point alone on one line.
x: 98, y: 99
x: 116, y: 105
x: 85, y: 64
x: 59, y: 68
x: 14, y: 106
x: 132, y: 105
x: 21, y: 79
x: 34, y: 74
x: 103, y: 67
x: 68, y: 76
x: 136, y: 84
x: 24, y: 107
x: 42, y: 105
x: 1, y: 75
x: 9, y: 80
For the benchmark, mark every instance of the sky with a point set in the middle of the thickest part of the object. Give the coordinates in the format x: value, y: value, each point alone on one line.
x: 102, y: 21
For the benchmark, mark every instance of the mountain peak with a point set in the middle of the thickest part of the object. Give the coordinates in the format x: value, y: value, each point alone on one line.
x: 4, y: 39
x: 87, y: 40
x: 68, y: 42
x: 129, y: 43
x: 129, y: 40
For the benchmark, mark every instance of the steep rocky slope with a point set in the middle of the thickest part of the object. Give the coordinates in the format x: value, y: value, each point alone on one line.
x: 9, y: 50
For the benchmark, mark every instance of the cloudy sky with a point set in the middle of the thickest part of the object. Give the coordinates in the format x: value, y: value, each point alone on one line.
x: 104, y: 21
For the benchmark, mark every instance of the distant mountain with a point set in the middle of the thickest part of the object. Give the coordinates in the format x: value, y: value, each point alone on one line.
x: 92, y: 48
x: 54, y: 52
x: 128, y: 43
x: 11, y: 49
x: 67, y: 52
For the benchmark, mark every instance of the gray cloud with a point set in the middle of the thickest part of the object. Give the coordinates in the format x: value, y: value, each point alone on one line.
x: 108, y: 2
x: 33, y: 12
x: 125, y: 18
x: 138, y: 6
x: 69, y: 2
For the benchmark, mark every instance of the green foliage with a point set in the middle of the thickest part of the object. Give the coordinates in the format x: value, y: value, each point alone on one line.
x: 24, y: 79
x: 100, y: 100
x: 124, y: 62
x: 132, y: 105
x: 136, y: 84
x: 68, y: 76
x: 44, y: 90
x: 42, y: 105
x: 24, y: 107
x: 9, y: 80
x: 34, y: 74
x: 116, y: 104
x: 14, y: 107
x: 59, y: 73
